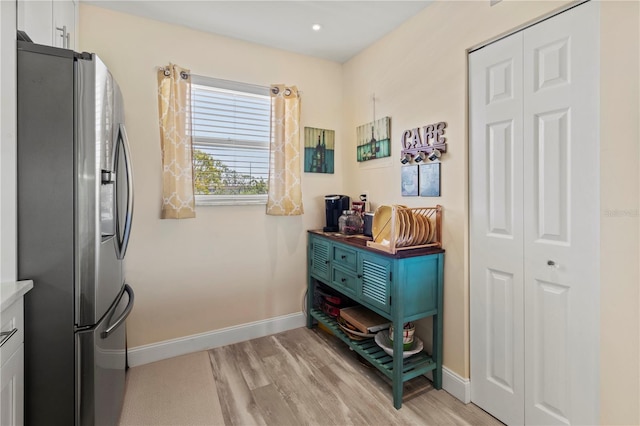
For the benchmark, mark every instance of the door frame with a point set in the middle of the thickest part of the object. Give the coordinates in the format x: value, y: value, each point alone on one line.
x: 519, y: 28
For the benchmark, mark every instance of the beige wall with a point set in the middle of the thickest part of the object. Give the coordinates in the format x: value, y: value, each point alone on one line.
x: 419, y: 76
x: 234, y: 265
x: 230, y: 265
x: 619, y: 224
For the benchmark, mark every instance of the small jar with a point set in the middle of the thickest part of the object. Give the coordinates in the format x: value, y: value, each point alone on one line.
x: 353, y: 223
x: 342, y: 221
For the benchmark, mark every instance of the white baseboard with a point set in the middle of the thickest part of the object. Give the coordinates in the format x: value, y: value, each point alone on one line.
x: 146, y: 354
x: 457, y: 386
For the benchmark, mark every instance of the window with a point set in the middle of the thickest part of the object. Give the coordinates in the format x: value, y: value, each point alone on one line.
x: 231, y: 133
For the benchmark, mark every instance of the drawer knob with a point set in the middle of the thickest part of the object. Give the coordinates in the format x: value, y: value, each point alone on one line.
x: 343, y: 279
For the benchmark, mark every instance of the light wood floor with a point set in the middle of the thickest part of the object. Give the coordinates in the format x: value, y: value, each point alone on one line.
x: 298, y: 377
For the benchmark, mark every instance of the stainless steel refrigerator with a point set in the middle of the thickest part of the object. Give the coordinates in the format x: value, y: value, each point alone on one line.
x: 75, y: 204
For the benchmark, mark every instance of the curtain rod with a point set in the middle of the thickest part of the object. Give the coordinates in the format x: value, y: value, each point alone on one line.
x: 167, y: 72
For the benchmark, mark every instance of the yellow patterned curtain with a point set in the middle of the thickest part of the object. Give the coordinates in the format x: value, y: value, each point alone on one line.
x: 174, y: 103
x: 285, y: 189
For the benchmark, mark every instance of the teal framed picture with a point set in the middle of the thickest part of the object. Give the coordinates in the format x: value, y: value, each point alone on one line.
x: 374, y: 140
x: 319, y: 148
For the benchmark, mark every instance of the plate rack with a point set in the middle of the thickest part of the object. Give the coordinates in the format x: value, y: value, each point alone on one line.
x: 401, y: 232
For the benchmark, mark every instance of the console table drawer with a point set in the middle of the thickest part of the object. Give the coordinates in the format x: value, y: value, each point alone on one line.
x: 345, y: 257
x: 346, y: 281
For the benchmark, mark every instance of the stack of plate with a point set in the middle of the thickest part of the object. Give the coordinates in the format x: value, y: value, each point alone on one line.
x: 411, y: 227
x: 352, y: 331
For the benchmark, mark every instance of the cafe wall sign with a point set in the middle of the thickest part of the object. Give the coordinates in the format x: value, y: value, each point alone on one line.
x: 422, y: 141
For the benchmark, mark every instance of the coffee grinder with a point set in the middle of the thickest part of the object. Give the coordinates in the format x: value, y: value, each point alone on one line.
x: 334, y: 206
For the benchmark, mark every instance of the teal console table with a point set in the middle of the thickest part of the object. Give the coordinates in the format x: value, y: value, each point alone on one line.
x: 402, y: 287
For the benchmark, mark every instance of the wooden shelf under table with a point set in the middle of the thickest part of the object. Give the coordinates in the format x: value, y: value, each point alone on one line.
x: 412, y: 366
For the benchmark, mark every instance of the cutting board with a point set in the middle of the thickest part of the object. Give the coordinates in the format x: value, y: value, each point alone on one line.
x: 364, y: 319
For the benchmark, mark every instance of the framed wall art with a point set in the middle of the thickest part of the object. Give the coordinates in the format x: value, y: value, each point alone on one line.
x: 319, y: 148
x: 430, y: 180
x: 409, y: 181
x: 374, y: 140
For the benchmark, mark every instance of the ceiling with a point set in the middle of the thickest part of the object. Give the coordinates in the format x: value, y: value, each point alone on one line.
x: 348, y: 27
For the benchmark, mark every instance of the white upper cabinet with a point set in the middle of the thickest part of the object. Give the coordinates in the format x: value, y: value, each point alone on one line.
x: 36, y: 19
x: 64, y: 28
x: 49, y: 22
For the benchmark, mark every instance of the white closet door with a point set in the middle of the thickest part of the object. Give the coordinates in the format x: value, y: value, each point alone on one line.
x: 496, y: 163
x: 562, y: 218
x: 534, y: 222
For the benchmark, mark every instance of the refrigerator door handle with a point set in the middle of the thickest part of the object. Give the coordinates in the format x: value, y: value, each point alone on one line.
x: 124, y: 232
x: 113, y: 326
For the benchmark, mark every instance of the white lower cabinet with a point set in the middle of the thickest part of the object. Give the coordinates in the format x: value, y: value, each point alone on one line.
x: 12, y: 363
x: 12, y: 389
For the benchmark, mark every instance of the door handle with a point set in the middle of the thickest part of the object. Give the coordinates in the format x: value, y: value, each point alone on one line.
x: 64, y: 35
x: 124, y: 315
x: 124, y: 232
x: 63, y: 31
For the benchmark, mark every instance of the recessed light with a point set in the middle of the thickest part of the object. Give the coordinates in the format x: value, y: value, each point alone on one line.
x: 316, y: 27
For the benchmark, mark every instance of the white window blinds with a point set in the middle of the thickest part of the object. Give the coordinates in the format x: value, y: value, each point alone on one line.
x: 231, y: 131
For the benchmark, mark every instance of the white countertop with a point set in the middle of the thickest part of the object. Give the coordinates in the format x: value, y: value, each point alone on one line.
x: 12, y: 291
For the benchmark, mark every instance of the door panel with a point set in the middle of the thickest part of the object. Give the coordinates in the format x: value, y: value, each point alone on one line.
x: 375, y: 272
x: 495, y: 180
x: 549, y: 350
x: 99, y: 272
x: 500, y: 81
x: 550, y: 175
x: 319, y: 258
x: 551, y: 64
x: 561, y: 218
x: 500, y: 177
x: 500, y: 332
